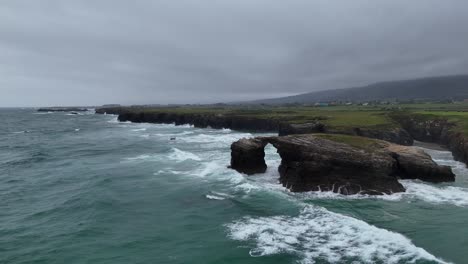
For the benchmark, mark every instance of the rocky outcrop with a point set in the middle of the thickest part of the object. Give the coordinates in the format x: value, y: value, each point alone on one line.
x: 305, y: 128
x: 394, y: 135
x: 252, y: 124
x: 62, y: 109
x: 235, y: 122
x: 248, y: 156
x: 436, y: 130
x: 312, y: 163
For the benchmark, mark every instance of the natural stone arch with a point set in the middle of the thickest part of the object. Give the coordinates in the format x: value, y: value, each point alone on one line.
x: 338, y: 163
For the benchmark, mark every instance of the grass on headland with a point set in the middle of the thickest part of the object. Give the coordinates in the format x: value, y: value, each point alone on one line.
x: 338, y: 117
x: 363, y: 143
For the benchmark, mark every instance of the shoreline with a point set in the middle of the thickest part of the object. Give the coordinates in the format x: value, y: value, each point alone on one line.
x: 406, y: 127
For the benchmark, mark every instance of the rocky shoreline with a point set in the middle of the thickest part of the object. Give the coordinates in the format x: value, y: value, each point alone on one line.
x: 313, y: 162
x: 252, y: 124
x: 436, y: 130
x: 342, y: 164
x: 62, y: 109
x: 412, y: 127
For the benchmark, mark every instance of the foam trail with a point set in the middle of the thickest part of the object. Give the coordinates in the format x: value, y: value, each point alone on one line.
x: 180, y: 155
x: 319, y: 235
x: 216, y: 140
x: 114, y: 120
x: 218, y: 196
x: 437, y: 195
x: 141, y: 157
x: 214, y: 197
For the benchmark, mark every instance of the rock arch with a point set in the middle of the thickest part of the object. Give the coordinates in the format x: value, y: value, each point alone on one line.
x: 314, y: 163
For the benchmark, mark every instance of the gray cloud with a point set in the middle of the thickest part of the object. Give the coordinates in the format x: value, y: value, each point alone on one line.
x: 55, y: 52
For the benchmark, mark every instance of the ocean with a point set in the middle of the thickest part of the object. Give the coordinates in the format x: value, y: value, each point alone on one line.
x: 89, y: 189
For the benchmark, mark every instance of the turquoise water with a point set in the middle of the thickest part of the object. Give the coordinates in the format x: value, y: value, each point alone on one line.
x: 88, y: 189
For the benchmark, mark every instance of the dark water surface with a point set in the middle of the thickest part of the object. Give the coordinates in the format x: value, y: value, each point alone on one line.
x: 87, y: 189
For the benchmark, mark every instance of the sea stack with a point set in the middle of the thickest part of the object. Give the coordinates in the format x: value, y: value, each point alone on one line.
x: 339, y: 163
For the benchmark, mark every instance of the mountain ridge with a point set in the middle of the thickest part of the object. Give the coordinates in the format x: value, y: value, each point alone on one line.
x: 428, y: 88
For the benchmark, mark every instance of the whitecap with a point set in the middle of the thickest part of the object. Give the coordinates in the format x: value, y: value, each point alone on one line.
x: 217, y: 139
x: 317, y: 234
x: 218, y: 196
x: 139, y: 129
x: 180, y: 155
x: 168, y: 172
x: 77, y: 129
x: 329, y: 195
x: 209, y: 168
x: 214, y: 197
x: 141, y: 157
x: 169, y: 134
x: 434, y: 194
x: 114, y: 120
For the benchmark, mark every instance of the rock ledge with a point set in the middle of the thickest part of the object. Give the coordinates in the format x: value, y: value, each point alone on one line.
x: 339, y: 163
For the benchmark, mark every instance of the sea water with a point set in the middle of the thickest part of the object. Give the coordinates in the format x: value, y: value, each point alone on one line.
x: 89, y: 189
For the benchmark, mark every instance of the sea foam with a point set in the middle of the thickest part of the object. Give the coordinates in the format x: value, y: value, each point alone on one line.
x: 434, y: 194
x: 317, y: 234
x: 180, y: 155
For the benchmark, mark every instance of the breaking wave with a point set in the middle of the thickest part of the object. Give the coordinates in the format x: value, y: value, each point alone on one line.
x: 180, y: 155
x: 437, y: 195
x: 214, y: 197
x: 319, y: 235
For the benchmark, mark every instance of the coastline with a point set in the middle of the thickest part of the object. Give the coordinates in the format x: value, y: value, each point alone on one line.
x: 403, y: 127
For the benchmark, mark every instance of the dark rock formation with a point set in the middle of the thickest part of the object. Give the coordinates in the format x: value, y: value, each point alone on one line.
x: 306, y: 128
x: 199, y: 120
x: 62, y: 109
x: 248, y: 156
x: 252, y: 124
x: 396, y: 135
x: 312, y: 163
x: 413, y: 163
x: 435, y: 130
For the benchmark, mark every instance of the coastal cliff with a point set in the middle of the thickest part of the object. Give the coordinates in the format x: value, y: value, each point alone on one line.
x: 252, y: 123
x: 438, y: 130
x: 401, y: 128
x: 62, y: 109
x: 339, y: 163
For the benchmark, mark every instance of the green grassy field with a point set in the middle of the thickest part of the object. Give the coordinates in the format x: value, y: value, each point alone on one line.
x: 372, y: 116
x: 364, y: 143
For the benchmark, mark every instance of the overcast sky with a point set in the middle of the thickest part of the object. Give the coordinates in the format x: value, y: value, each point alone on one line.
x: 180, y: 51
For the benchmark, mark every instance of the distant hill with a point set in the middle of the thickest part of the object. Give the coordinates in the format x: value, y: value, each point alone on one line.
x: 433, y: 88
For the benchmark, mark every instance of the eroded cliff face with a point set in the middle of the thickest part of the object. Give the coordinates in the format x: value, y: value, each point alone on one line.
x: 253, y: 124
x: 203, y: 120
x: 436, y: 130
x: 312, y: 163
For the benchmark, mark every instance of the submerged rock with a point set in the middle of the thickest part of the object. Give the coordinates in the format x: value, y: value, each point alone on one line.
x: 339, y: 163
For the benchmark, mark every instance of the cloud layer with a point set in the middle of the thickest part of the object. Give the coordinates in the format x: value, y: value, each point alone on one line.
x: 55, y: 52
